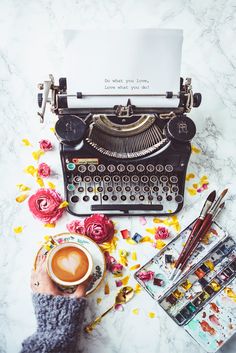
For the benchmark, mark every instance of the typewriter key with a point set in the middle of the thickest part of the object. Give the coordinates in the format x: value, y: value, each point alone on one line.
x: 141, y: 197
x: 130, y: 168
x: 159, y: 198
x: 155, y: 189
x: 90, y: 189
x: 82, y: 168
x: 97, y: 179
x: 91, y: 168
x: 175, y: 188
x: 169, y: 168
x: 109, y: 188
x: 137, y: 188
x: 146, y: 188
x: 168, y: 197
x: 166, y: 188
x: 150, y: 197
x: 120, y: 167
x: 111, y: 168
x: 87, y: 179
x: 114, y: 197
x: 70, y: 187
x: 80, y: 189
x: 159, y: 168
x: 118, y: 188
x: 132, y: 197
x: 134, y: 178
x: 105, y: 197
x: 95, y: 197
x: 173, y: 179
x: 70, y: 166
x: 74, y: 199
x: 126, y: 179
x: 179, y: 198
x: 77, y: 179
x: 127, y: 188
x: 144, y: 179
x: 116, y: 178
x: 86, y: 198
x: 101, y: 168
x: 107, y: 179
x: 163, y: 179
x: 140, y: 168
x: 150, y: 168
x: 153, y: 179
x: 100, y: 189
x: 123, y: 197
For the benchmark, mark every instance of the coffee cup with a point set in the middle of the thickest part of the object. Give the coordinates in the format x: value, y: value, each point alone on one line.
x: 69, y: 264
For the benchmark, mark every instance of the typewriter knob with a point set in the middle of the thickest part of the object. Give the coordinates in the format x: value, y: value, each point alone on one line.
x: 197, y: 99
x: 181, y: 129
x: 40, y: 99
x: 70, y: 130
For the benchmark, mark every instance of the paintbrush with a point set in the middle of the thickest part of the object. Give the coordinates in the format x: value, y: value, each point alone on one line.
x: 197, y: 225
x: 206, y: 225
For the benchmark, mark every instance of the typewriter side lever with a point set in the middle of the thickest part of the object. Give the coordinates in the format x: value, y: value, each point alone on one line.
x: 43, y: 98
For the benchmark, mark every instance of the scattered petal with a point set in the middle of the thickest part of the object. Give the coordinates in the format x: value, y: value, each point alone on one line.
x: 130, y: 241
x: 22, y: 187
x: 47, y: 238
x: 153, y: 230
x: 21, y: 198
x: 109, y: 246
x: 26, y: 142
x: 118, y: 283
x: 159, y: 244
x: 37, y: 154
x: 106, y: 289
x: 134, y: 267
x: 146, y: 239
x: 50, y: 225
x: 152, y: 315
x: 18, y: 230
x: 52, y: 129
x: 64, y: 204
x: 195, y: 149
x: 134, y: 255
x: 135, y: 311
x: 195, y: 186
x: 51, y: 185
x: 30, y: 169
x: 142, y: 220
x: 119, y: 307
x: 192, y: 192
x: 190, y: 176
x: 125, y: 280
x: 45, y: 145
x: 99, y: 300
x: 137, y: 288
x: 115, y: 275
x: 40, y: 182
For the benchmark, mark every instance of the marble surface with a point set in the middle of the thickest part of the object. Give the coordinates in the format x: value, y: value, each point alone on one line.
x: 30, y: 48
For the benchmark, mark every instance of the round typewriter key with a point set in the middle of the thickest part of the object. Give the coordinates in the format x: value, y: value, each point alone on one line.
x: 86, y: 198
x: 114, y: 197
x: 120, y: 167
x: 159, y: 198
x: 150, y: 168
x: 81, y: 189
x: 70, y: 166
x: 105, y: 197
x: 141, y: 197
x: 137, y: 188
x: 107, y: 179
x: 100, y: 189
x: 95, y: 197
x: 163, y: 179
x: 173, y: 179
x: 77, y: 179
x: 128, y: 188
x: 166, y: 188
x: 132, y: 197
x: 97, y: 179
x: 180, y: 128
x: 87, y: 179
x: 159, y: 168
x: 101, y: 168
x: 140, y: 168
x: 118, y: 188
x: 146, y: 188
x: 175, y: 188
x: 130, y: 168
x: 70, y: 187
x: 134, y: 178
x: 109, y: 188
x: 111, y: 168
x: 82, y: 168
x: 150, y: 197
x: 179, y: 198
x: 123, y: 197
x: 169, y: 198
x: 126, y: 179
x: 153, y: 179
x: 74, y: 199
x: 116, y: 178
x: 155, y: 189
x: 169, y: 168
x: 144, y: 179
x: 91, y: 168
x: 90, y: 189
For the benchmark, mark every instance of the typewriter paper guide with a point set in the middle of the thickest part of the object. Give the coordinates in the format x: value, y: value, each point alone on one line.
x: 123, y: 62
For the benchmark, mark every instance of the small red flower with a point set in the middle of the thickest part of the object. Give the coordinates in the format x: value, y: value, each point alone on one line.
x: 44, y: 170
x: 99, y: 228
x: 45, y: 145
x: 145, y: 275
x: 162, y: 233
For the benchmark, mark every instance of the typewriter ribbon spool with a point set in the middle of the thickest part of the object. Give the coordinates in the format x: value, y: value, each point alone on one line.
x: 125, y: 159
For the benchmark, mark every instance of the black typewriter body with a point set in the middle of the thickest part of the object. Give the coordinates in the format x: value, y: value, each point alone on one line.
x: 124, y: 160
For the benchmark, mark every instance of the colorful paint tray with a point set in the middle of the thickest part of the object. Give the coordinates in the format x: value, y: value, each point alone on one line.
x: 210, y: 275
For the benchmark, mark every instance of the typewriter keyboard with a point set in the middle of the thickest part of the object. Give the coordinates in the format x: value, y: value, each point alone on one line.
x: 123, y: 188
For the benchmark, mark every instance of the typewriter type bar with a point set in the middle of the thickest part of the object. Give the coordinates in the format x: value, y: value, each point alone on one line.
x: 122, y: 159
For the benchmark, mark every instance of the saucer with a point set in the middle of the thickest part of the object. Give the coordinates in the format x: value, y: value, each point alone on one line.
x: 99, y: 265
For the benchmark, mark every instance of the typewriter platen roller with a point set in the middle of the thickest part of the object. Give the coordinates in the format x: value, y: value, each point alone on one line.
x: 124, y: 159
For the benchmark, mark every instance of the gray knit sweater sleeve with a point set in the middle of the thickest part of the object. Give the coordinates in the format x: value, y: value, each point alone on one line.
x: 59, y: 320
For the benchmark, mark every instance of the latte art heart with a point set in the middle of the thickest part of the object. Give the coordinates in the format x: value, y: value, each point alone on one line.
x: 69, y: 263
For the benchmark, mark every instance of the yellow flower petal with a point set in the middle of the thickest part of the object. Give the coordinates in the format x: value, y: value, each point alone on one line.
x: 146, y: 239
x: 30, y: 169
x: 99, y: 300
x: 190, y: 176
x: 47, y: 247
x: 117, y: 275
x: 123, y: 260
x: 195, y: 186
x: 52, y: 129
x: 49, y: 225
x: 151, y: 230
x: 204, y: 179
x: 192, y: 192
x: 40, y: 182
x: 63, y: 204
x: 21, y: 198
x: 137, y: 289
x: 109, y: 246
x: 130, y: 241
x: 135, y: 311
x: 37, y: 154
x: 134, y: 267
x: 134, y: 255
x: 152, y: 315
x: 22, y: 187
x: 18, y: 230
x: 195, y: 149
x: 51, y: 185
x: 157, y: 220
x: 106, y: 289
x: 26, y: 142
x: 47, y: 238
x: 125, y: 280
x: 160, y: 244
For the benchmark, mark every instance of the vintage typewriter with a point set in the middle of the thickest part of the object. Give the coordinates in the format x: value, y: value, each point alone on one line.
x: 122, y: 159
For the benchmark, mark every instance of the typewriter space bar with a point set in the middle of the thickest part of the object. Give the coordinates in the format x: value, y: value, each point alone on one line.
x: 126, y: 207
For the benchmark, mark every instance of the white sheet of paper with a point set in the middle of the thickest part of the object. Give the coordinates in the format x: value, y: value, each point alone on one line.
x: 123, y: 62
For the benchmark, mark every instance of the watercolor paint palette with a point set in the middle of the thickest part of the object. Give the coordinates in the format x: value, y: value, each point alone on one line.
x: 210, y: 275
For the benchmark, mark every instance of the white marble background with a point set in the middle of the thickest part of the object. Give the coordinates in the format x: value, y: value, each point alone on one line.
x: 30, y: 48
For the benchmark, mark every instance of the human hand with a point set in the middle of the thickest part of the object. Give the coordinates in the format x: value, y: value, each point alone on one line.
x: 42, y: 283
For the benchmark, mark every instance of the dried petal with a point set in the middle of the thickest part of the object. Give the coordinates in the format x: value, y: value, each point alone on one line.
x: 192, y: 192
x: 195, y: 149
x: 135, y: 311
x: 152, y: 315
x: 106, y: 289
x: 130, y: 241
x: 125, y: 280
x: 134, y: 267
x: 134, y: 255
x: 40, y: 182
x: 137, y: 289
x: 30, y: 169
x: 159, y: 244
x: 37, y: 154
x: 142, y: 220
x: 190, y: 176
x: 109, y: 246
x: 22, y: 187
x: 50, y: 225
x: 118, y: 283
x: 51, y: 185
x: 99, y: 300
x: 18, y: 229
x: 64, y: 204
x: 26, y: 142
x: 119, y: 307
x: 21, y: 198
x: 52, y: 129
x: 152, y: 230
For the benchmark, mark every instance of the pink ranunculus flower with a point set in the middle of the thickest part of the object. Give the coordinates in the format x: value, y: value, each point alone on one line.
x: 116, y: 268
x: 45, y: 145
x: 145, y: 275
x: 162, y: 233
x: 76, y: 226
x: 44, y: 205
x: 99, y: 228
x: 44, y: 170
x: 112, y: 265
